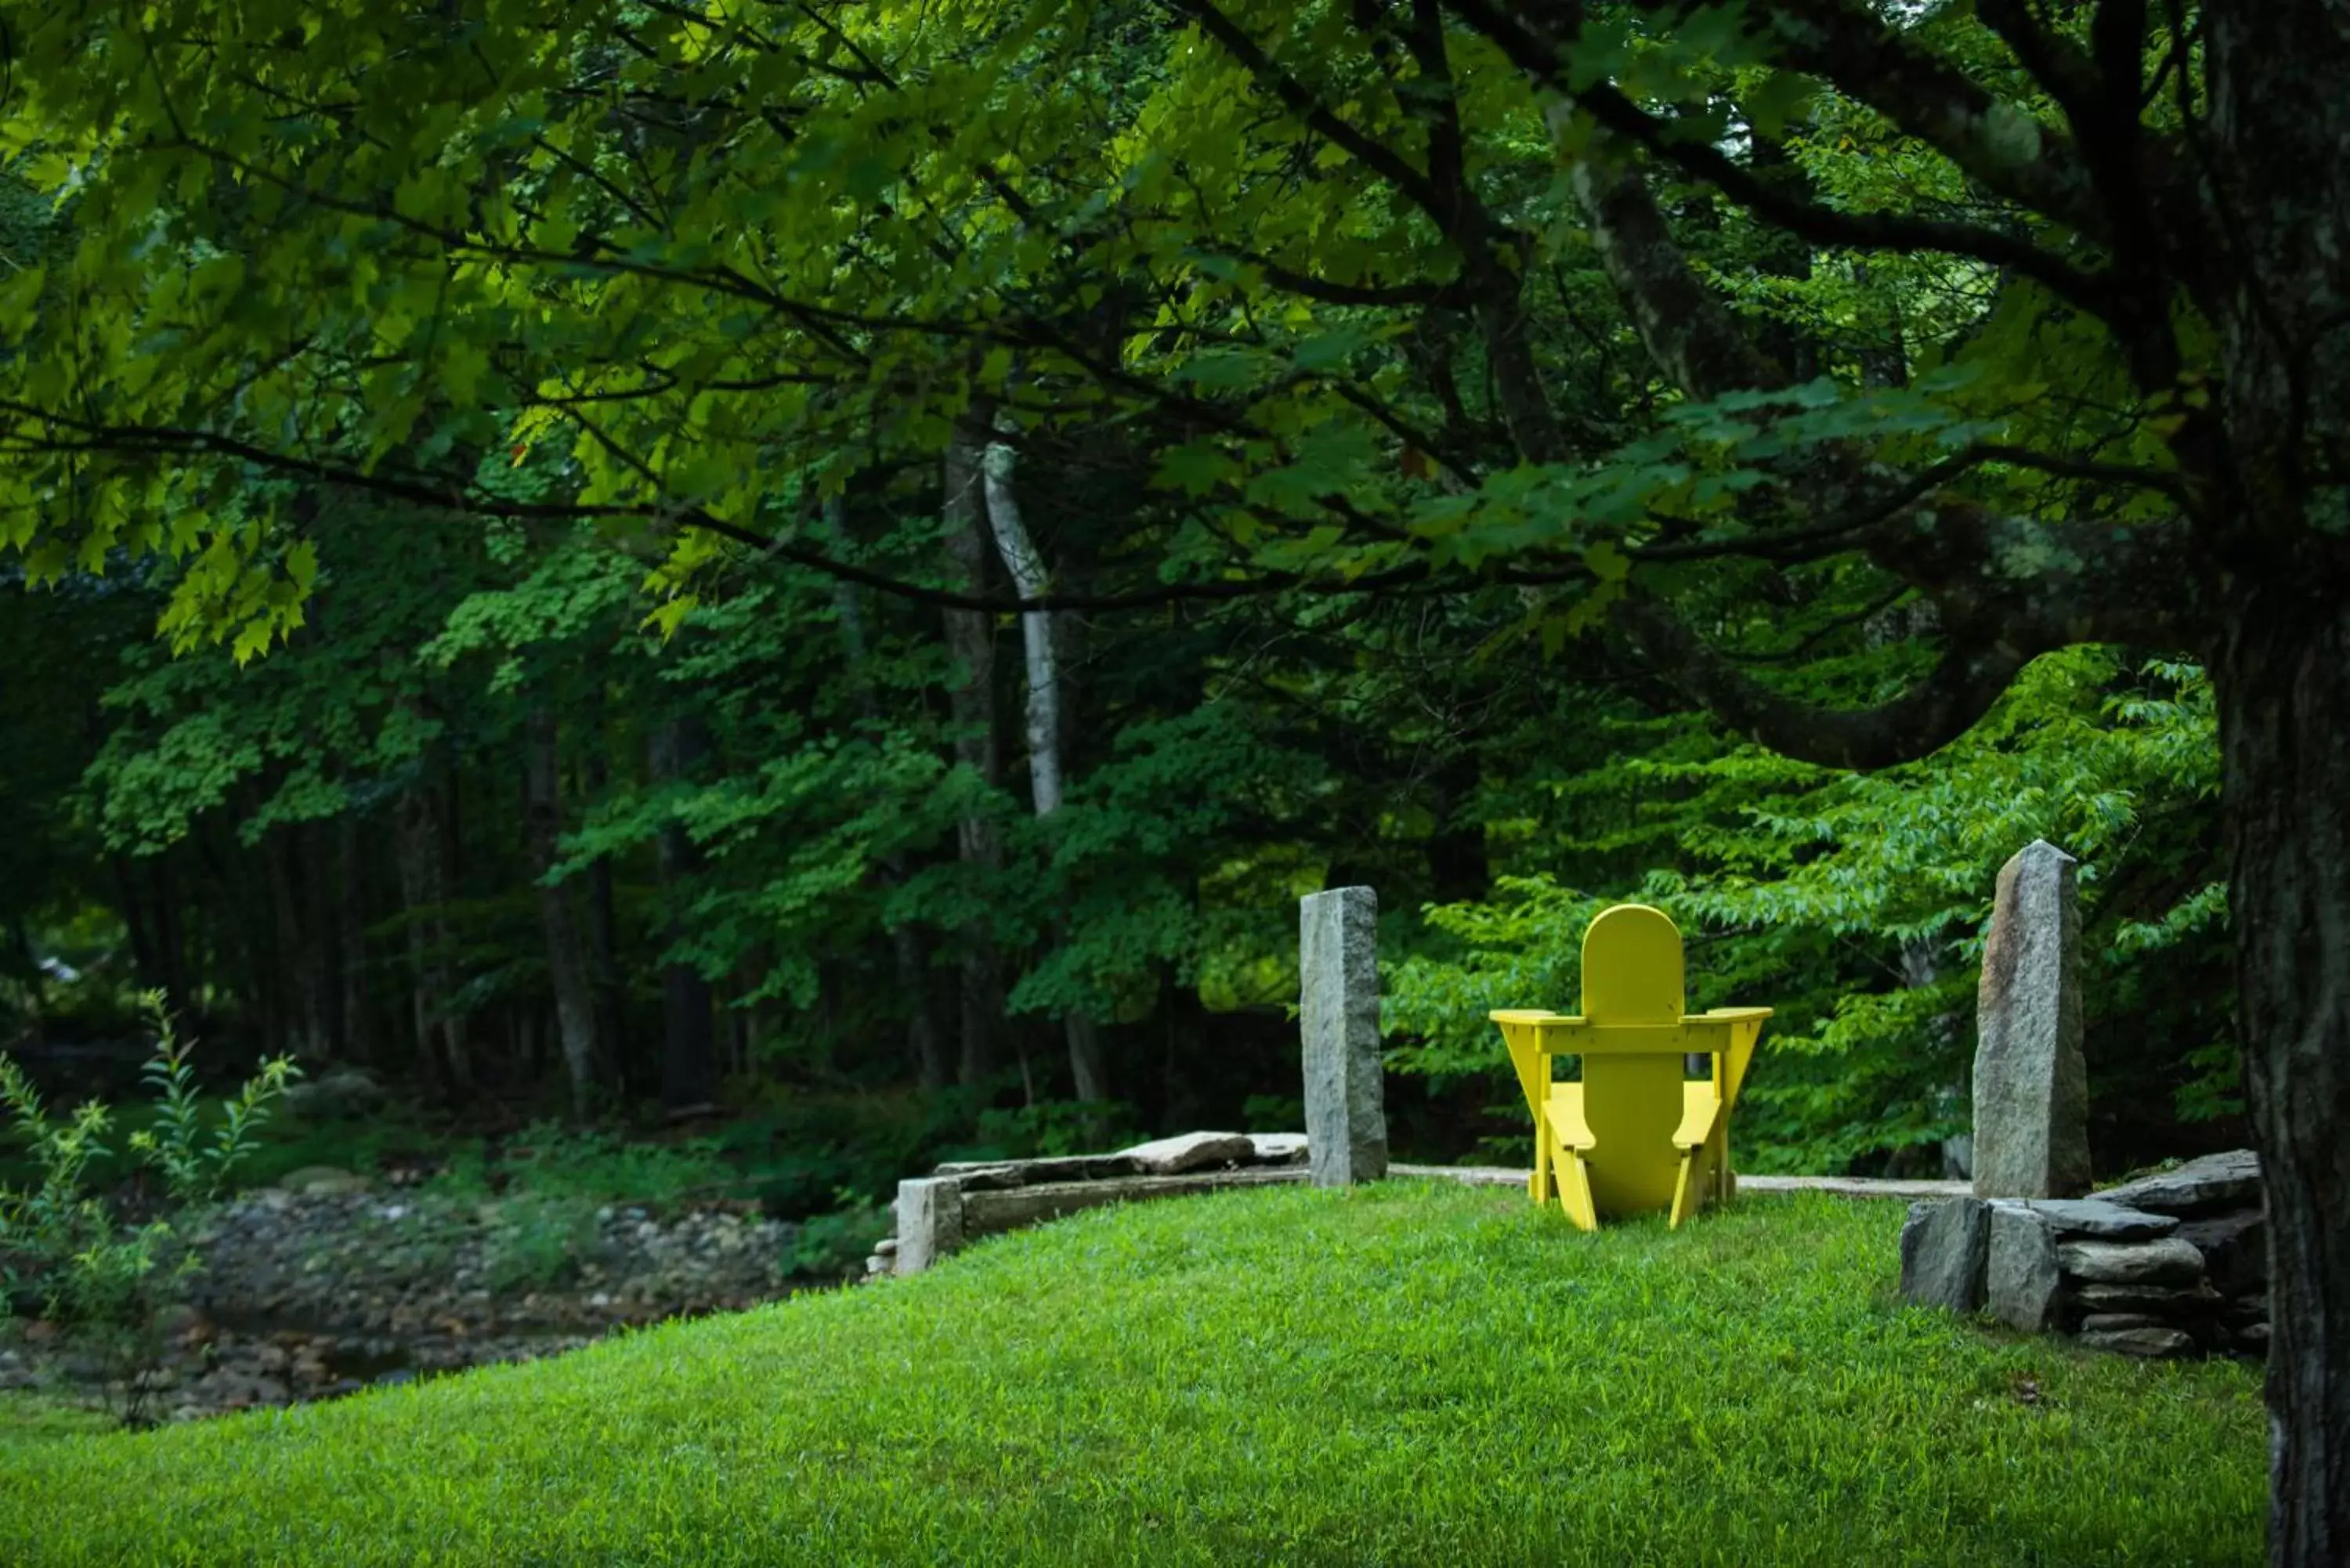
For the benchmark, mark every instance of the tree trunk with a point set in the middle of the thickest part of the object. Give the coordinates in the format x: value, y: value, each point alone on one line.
x: 1027, y: 566
x: 171, y: 942
x: 909, y: 951
x: 325, y: 957
x: 566, y: 952
x: 2284, y: 679
x: 302, y: 945
x: 357, y: 1043
x: 2278, y: 142
x: 971, y: 638
x: 440, y: 1044
x: 689, y: 1078
x: 603, y: 923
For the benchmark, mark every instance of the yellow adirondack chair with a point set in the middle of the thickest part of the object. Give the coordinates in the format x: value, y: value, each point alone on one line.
x: 1636, y: 1135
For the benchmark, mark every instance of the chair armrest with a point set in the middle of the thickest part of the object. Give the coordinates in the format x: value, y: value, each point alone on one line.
x: 1701, y: 1109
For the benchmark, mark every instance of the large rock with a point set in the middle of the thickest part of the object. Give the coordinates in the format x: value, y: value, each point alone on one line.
x: 1338, y: 1019
x: 2165, y: 1260
x: 1190, y: 1151
x: 2096, y: 1217
x: 2031, y: 1082
x: 2235, y: 1249
x: 2022, y: 1283
x: 337, y: 1093
x: 2216, y: 1182
x: 930, y: 1221
x: 1278, y: 1149
x: 1944, y: 1247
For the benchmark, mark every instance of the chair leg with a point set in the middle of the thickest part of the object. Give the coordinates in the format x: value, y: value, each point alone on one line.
x: 1574, y: 1191
x: 1540, y: 1184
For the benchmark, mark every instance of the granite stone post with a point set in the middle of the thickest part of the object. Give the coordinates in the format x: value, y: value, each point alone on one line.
x: 2031, y: 1085
x: 930, y: 1221
x: 1339, y: 1017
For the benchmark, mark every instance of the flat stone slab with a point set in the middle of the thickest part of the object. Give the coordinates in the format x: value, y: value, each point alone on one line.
x: 1839, y: 1186
x: 2165, y: 1260
x: 1278, y: 1149
x: 1855, y: 1186
x: 986, y: 1213
x: 2165, y: 1302
x: 1467, y: 1175
x: 2230, y: 1180
x: 988, y: 1175
x: 1190, y: 1151
x: 2096, y: 1217
x: 2153, y: 1344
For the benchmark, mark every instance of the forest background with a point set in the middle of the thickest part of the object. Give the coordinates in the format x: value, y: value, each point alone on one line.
x: 530, y: 802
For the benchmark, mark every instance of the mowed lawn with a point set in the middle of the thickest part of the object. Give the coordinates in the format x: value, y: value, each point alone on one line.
x: 1414, y: 1373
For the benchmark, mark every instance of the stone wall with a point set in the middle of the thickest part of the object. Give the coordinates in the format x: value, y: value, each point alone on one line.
x: 958, y: 1203
x: 2171, y: 1265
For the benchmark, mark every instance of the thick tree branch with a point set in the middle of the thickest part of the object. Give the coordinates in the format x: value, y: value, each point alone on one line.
x: 1539, y: 52
x: 1937, y: 711
x: 1329, y: 292
x: 1686, y: 327
x: 1847, y: 44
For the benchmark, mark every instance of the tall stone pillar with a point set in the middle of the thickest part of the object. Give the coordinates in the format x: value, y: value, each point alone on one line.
x: 1338, y: 1019
x: 2031, y: 1085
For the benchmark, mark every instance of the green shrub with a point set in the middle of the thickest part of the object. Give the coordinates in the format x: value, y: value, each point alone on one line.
x: 837, y: 1243
x: 101, y: 1280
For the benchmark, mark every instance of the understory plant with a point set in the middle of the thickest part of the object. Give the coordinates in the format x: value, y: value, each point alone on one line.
x: 72, y: 1258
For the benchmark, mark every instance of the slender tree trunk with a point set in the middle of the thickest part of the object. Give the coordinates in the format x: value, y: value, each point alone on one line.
x: 288, y: 954
x: 441, y: 1039
x: 144, y: 955
x: 688, y: 1078
x: 325, y: 957
x: 358, y: 1043
x: 1457, y: 867
x: 925, y: 1042
x: 566, y: 953
x: 173, y: 972
x: 2284, y: 688
x: 1027, y: 568
x: 603, y: 924
x: 971, y: 638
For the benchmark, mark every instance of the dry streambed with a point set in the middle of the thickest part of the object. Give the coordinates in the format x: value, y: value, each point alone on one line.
x: 328, y: 1284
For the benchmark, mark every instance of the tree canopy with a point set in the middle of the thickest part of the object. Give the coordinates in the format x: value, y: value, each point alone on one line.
x: 1393, y: 423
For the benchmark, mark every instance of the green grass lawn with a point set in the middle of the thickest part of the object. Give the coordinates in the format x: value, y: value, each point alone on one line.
x: 1412, y: 1373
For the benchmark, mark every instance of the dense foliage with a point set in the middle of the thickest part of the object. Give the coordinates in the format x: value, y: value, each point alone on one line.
x: 589, y: 410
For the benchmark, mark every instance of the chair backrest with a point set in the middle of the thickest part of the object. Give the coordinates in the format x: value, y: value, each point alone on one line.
x: 1632, y: 967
